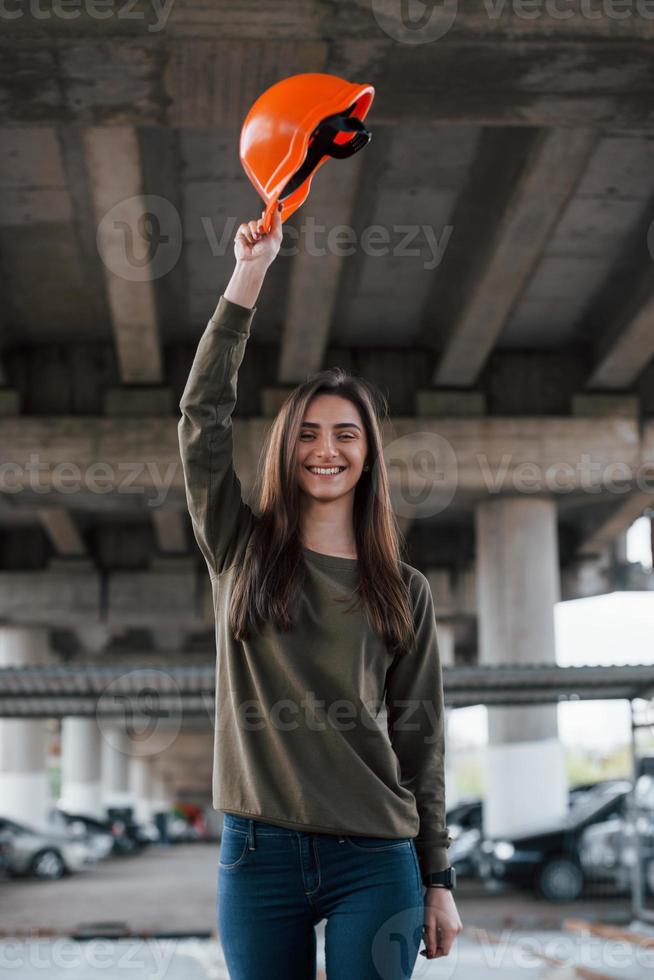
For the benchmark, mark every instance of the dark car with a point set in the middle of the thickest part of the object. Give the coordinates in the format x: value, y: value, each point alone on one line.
x: 465, y: 825
x: 549, y: 859
x: 130, y: 837
x: 464, y: 821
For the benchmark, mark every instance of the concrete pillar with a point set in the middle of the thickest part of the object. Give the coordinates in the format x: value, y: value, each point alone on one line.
x: 141, y: 785
x: 114, y: 754
x: 158, y: 794
x: 517, y: 588
x: 24, y: 783
x: 80, y: 767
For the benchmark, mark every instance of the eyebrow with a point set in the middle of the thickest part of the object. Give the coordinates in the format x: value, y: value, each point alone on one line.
x: 337, y: 425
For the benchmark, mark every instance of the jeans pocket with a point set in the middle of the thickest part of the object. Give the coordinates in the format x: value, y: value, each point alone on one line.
x: 378, y: 843
x: 233, y: 849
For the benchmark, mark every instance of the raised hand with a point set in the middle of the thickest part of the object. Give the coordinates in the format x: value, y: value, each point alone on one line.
x: 253, y: 245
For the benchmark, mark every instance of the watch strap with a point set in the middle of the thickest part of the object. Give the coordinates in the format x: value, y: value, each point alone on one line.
x: 443, y: 879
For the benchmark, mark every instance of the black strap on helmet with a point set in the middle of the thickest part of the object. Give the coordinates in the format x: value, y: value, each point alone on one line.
x: 321, y: 143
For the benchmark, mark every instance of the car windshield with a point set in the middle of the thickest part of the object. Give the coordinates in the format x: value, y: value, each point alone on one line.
x: 14, y: 828
x: 589, y: 803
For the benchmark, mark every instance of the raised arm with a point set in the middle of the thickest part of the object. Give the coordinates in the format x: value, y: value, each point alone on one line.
x: 221, y: 519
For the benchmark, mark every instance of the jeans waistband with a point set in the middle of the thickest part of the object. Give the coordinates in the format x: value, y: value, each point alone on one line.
x: 250, y: 825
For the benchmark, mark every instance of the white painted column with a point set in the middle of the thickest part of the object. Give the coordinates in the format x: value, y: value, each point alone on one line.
x: 517, y: 588
x: 24, y: 783
x: 80, y: 767
x: 115, y: 749
x: 140, y: 782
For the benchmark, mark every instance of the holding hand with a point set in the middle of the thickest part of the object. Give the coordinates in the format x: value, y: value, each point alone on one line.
x: 252, y: 244
x: 442, y: 923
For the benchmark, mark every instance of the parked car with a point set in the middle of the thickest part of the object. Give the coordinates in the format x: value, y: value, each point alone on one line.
x: 96, y: 833
x: 608, y: 849
x: 464, y: 821
x: 465, y: 825
x: 548, y: 860
x: 130, y: 837
x: 41, y: 854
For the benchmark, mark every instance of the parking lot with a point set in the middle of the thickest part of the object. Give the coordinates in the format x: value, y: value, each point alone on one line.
x: 154, y: 914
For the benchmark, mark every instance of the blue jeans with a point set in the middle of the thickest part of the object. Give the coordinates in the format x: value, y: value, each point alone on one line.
x: 275, y: 884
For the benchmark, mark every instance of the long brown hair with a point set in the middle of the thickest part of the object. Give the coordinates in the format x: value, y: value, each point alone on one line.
x: 269, y: 579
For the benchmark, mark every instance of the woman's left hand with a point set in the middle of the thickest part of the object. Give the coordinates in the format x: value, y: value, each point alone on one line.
x: 442, y: 923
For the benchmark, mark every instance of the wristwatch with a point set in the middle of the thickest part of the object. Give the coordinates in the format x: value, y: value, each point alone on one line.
x: 440, y: 879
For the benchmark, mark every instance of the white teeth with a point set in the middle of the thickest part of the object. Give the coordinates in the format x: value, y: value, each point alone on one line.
x: 331, y: 471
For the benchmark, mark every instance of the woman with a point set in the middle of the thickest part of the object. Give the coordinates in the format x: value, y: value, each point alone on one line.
x: 332, y: 811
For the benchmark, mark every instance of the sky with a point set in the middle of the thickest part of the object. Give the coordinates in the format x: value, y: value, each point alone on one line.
x: 610, y: 629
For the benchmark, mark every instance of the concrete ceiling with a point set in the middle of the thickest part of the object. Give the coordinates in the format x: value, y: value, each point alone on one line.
x: 511, y: 171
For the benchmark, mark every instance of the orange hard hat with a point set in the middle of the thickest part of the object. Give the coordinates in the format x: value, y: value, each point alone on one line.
x: 293, y: 128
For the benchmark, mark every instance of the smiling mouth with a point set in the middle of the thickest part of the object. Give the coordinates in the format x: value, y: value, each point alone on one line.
x: 341, y: 469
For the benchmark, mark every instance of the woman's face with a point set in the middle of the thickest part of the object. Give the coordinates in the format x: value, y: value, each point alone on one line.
x: 332, y: 435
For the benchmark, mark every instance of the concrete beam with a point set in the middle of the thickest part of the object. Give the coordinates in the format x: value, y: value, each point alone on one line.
x: 548, y: 179
x: 60, y: 527
x: 137, y: 400
x: 553, y: 74
x: 626, y: 512
x: 59, y: 598
x: 622, y: 358
x: 114, y: 166
x: 313, y: 19
x: 170, y: 529
x: 612, y: 405
x: 137, y: 460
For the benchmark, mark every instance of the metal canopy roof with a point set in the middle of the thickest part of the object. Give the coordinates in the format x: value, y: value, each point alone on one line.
x: 119, y: 691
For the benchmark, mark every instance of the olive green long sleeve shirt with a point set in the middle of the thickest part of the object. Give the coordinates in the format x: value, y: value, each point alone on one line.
x: 320, y: 728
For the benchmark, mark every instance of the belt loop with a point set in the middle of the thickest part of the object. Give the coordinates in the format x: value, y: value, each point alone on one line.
x: 341, y: 840
x: 251, y: 840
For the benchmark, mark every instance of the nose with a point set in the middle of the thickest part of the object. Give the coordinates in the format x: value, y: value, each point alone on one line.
x: 327, y: 448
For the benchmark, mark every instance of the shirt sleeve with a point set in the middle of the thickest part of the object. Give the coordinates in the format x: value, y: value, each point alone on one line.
x: 221, y: 519
x: 415, y: 712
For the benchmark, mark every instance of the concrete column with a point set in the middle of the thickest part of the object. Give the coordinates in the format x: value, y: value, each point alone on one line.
x: 141, y: 785
x: 159, y: 796
x: 80, y: 767
x: 115, y: 750
x: 517, y: 588
x: 24, y: 783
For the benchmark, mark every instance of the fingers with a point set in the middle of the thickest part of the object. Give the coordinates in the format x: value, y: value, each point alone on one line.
x: 244, y: 234
x: 438, y: 939
x: 445, y: 940
x: 250, y: 232
x: 429, y: 937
